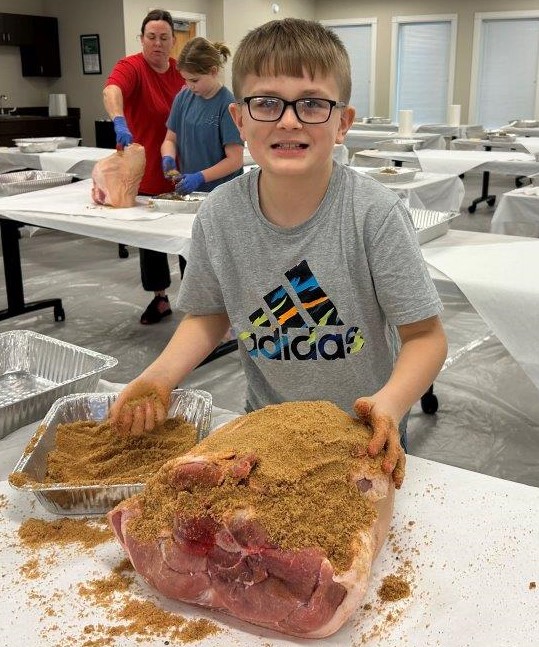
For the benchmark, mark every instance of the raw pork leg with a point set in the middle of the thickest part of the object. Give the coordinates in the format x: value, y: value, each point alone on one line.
x: 213, y: 527
x: 116, y: 178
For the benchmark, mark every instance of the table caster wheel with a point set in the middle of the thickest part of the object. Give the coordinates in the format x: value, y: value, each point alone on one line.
x: 59, y: 314
x: 123, y: 252
x: 472, y: 208
x: 429, y: 403
x: 491, y: 202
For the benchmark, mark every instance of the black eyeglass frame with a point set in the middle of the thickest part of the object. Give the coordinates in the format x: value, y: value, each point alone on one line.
x: 332, y: 104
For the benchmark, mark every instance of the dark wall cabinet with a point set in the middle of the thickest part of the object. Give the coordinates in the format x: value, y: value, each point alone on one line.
x: 39, y: 126
x: 15, y: 29
x: 37, y: 37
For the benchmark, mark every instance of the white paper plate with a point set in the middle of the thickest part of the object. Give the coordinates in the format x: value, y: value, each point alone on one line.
x: 399, y: 174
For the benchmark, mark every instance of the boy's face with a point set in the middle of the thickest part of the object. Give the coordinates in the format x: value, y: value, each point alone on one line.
x: 289, y: 147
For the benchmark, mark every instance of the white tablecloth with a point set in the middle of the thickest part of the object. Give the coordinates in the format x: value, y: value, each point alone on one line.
x: 167, y: 233
x: 498, y: 276
x: 517, y: 213
x: 446, y: 130
x: 78, y: 160
x: 357, y: 139
x: 437, y: 191
x: 526, y: 144
x: 469, y: 542
x: 504, y: 163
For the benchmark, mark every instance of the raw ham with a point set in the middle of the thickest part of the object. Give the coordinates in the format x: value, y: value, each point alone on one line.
x: 116, y: 178
x: 275, y: 518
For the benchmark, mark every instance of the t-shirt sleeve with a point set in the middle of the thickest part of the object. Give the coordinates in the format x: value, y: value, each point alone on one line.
x: 124, y: 75
x: 200, y: 291
x: 402, y: 282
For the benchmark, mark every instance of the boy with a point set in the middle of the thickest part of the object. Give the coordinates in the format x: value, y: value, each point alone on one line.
x: 313, y: 265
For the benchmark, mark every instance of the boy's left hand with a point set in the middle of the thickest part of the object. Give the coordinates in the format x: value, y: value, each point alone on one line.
x: 385, y: 436
x: 189, y: 182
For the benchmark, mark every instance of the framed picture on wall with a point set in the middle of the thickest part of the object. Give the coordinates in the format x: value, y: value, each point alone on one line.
x: 91, y: 54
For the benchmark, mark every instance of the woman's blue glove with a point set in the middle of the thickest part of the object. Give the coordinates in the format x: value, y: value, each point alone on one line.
x: 189, y: 183
x: 123, y: 134
x: 168, y: 164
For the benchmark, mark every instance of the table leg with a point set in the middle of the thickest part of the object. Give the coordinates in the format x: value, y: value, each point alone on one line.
x: 13, y: 272
x: 484, y: 197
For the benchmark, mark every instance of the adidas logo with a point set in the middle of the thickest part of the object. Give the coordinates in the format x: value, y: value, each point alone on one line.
x: 284, y: 330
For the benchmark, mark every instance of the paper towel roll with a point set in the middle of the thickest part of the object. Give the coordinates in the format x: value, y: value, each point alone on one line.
x: 453, y: 115
x: 57, y: 105
x: 406, y: 122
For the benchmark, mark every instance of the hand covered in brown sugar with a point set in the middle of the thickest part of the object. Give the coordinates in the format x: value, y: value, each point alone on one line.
x: 140, y: 407
x: 385, y: 437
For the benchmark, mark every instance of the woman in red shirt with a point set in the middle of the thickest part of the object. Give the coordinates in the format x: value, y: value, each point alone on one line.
x: 138, y: 96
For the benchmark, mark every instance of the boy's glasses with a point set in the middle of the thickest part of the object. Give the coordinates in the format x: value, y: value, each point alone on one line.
x: 308, y: 111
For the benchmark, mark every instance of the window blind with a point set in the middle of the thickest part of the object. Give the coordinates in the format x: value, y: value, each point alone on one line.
x: 422, y: 79
x: 508, y: 67
x: 357, y: 40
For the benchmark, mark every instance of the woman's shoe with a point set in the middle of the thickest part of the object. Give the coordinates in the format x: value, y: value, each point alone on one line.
x: 158, y: 308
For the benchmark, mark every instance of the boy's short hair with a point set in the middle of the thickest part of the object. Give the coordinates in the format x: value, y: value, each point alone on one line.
x: 289, y: 47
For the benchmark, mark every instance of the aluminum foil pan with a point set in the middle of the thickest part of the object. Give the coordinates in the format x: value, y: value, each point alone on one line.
x: 525, y: 123
x: 431, y: 224
x: 25, y: 181
x: 35, y: 370
x: 60, y: 498
x: 186, y: 204
x: 500, y: 136
x: 376, y: 120
x: 36, y: 144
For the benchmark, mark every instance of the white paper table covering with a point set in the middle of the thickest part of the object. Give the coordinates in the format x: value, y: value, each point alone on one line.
x: 517, y: 213
x: 75, y: 200
x: 437, y: 191
x: 458, y: 162
x: 471, y: 541
x: 79, y: 160
x: 359, y: 139
x: 500, y: 281
x: 170, y: 233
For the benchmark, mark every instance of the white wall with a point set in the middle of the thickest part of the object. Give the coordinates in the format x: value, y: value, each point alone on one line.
x: 118, y: 24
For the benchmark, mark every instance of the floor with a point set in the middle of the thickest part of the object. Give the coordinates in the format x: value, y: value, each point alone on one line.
x: 488, y: 416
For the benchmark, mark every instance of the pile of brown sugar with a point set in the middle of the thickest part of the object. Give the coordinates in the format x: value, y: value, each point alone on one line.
x: 35, y: 533
x: 300, y: 488
x: 88, y: 452
x: 394, y: 588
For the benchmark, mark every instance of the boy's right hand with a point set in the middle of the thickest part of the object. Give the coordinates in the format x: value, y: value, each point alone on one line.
x: 140, y: 407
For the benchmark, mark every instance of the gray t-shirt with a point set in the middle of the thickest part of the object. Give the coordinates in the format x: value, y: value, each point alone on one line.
x: 314, y: 307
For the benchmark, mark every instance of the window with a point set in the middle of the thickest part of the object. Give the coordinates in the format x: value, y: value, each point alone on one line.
x: 504, y: 79
x: 422, y: 66
x: 359, y: 38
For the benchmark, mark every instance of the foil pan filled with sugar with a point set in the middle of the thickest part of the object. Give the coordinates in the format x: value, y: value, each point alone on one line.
x: 30, y: 473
